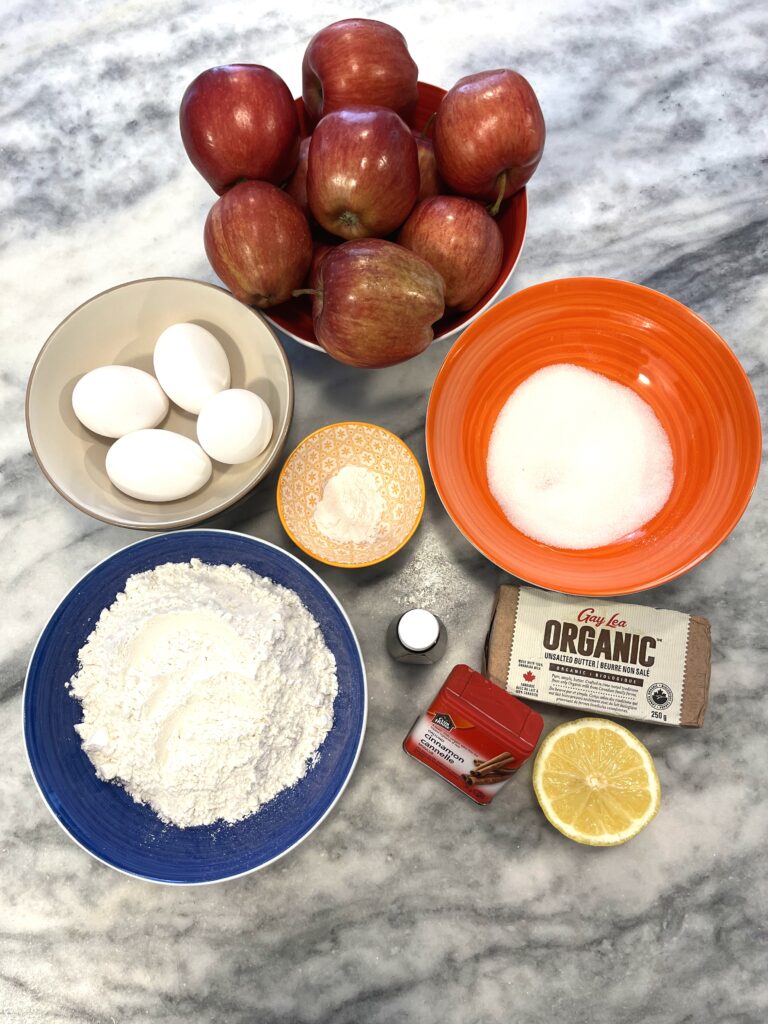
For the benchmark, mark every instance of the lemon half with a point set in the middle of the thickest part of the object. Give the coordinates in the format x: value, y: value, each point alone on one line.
x: 596, y: 782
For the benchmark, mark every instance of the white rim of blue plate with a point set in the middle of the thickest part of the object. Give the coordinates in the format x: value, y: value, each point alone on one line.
x: 320, y: 820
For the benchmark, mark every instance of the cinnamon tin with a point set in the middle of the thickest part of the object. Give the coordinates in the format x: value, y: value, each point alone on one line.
x: 474, y: 734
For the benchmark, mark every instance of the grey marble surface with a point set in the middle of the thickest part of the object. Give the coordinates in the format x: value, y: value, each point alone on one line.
x: 409, y: 903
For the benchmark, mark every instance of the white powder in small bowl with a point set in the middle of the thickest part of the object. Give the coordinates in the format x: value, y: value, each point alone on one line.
x: 576, y: 460
x: 352, y: 507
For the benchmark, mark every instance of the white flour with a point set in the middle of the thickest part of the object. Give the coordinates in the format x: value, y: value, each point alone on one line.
x: 352, y: 507
x: 206, y: 690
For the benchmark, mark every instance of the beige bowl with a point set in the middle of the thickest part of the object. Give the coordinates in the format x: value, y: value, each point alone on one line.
x: 319, y: 457
x: 121, y: 325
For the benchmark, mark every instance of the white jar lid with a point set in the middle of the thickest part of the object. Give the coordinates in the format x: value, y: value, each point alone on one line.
x: 418, y: 630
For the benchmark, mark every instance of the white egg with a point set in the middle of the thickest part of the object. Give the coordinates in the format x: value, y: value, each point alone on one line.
x: 191, y: 365
x: 157, y: 465
x: 116, y: 400
x: 234, y: 426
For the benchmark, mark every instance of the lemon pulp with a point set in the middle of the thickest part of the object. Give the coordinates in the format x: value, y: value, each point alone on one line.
x: 596, y: 782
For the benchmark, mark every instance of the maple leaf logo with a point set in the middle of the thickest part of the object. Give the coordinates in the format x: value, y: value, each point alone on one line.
x: 528, y: 677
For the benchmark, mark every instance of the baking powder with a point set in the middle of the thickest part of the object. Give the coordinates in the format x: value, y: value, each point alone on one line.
x: 352, y: 507
x: 206, y: 690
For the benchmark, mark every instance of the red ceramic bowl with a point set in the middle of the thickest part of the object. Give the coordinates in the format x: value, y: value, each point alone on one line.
x: 295, y: 317
x: 644, y: 340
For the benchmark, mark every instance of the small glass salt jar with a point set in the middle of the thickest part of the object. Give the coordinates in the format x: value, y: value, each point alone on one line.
x: 417, y: 637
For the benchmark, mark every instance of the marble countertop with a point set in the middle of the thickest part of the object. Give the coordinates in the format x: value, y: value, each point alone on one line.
x: 409, y: 903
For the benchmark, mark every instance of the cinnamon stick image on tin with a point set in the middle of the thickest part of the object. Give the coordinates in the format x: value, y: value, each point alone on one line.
x: 486, y: 780
x: 492, y: 762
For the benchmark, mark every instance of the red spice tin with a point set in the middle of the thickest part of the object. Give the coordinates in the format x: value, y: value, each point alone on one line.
x: 475, y: 734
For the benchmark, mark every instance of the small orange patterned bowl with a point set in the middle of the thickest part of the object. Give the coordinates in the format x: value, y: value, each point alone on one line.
x: 321, y: 456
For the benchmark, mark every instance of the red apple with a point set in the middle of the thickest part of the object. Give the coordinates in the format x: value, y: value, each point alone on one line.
x: 363, y: 172
x: 358, y: 63
x: 429, y: 179
x: 375, y: 303
x: 461, y: 241
x: 297, y: 186
x: 489, y: 135
x: 258, y: 242
x: 240, y: 121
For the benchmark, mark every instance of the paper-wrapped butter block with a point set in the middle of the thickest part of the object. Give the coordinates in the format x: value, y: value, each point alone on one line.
x: 599, y: 655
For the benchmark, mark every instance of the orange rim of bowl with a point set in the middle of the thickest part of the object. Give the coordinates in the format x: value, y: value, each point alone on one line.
x: 578, y: 308
x: 374, y: 561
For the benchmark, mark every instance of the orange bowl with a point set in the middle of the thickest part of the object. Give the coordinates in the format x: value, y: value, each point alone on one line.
x: 294, y: 318
x: 670, y: 357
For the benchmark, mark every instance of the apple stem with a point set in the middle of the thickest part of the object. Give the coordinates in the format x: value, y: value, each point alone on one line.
x: 502, y: 179
x: 303, y: 291
x: 428, y: 125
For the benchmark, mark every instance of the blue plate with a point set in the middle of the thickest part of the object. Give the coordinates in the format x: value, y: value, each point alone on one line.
x: 100, y: 816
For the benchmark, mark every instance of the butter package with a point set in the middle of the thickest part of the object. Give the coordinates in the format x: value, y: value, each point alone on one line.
x: 600, y: 656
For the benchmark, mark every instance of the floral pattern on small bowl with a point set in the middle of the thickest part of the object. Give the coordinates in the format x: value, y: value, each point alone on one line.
x: 319, y: 457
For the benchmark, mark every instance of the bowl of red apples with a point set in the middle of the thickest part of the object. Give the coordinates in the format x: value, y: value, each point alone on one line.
x: 374, y: 214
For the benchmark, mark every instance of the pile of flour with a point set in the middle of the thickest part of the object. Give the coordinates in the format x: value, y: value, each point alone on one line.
x: 206, y: 690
